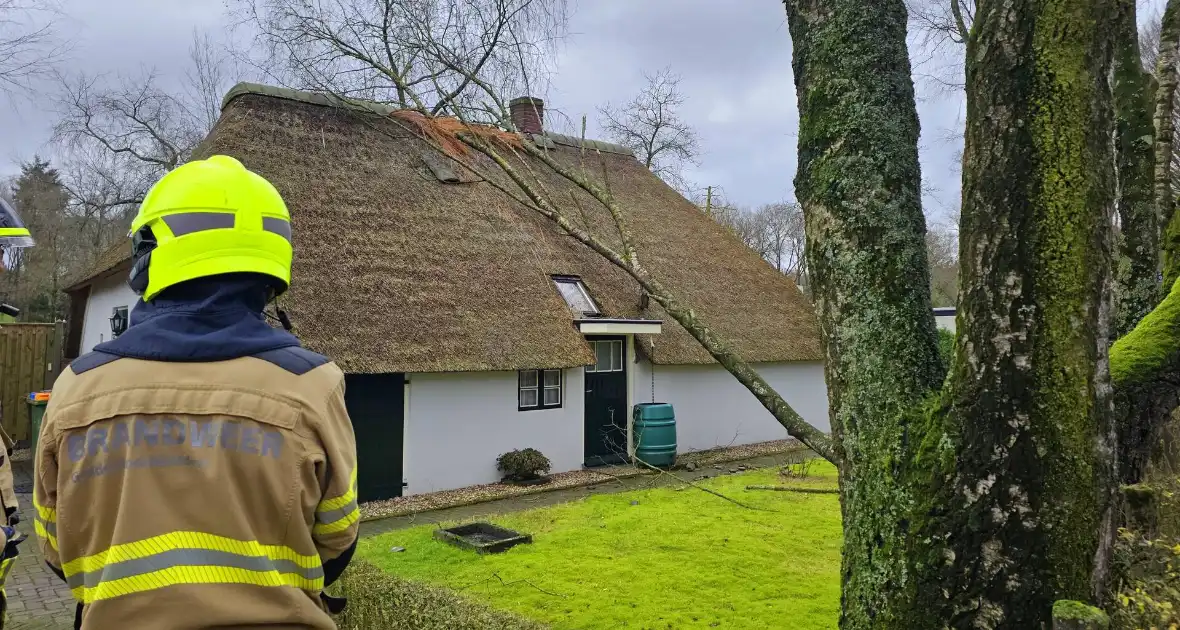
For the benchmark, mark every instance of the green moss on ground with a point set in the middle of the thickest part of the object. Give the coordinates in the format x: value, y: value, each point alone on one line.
x: 678, y: 558
x: 1070, y: 610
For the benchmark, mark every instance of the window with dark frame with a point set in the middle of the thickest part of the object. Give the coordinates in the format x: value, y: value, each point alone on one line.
x: 539, y: 389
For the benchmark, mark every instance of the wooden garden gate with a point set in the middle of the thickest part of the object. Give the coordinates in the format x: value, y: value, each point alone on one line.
x: 30, y: 360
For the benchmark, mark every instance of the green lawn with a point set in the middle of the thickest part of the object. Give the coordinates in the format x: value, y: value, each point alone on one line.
x: 678, y: 559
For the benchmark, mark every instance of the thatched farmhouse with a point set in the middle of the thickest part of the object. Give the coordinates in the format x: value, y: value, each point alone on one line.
x: 468, y: 324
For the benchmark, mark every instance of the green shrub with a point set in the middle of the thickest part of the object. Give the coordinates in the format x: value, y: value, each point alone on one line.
x: 1147, y: 588
x: 946, y: 346
x: 379, y: 601
x: 523, y: 465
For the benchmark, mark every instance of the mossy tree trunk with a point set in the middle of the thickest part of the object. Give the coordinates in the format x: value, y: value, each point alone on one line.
x: 1027, y: 416
x: 1135, y: 159
x: 858, y: 181
x: 1145, y: 370
x: 1166, y: 76
x: 979, y: 506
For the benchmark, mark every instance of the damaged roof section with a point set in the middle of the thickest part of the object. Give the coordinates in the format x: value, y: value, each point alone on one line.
x: 408, y: 262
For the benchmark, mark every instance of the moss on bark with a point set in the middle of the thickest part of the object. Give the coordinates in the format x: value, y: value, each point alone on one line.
x: 1012, y: 524
x: 858, y: 181
x: 1144, y: 369
x: 1074, y: 615
x: 1134, y: 134
x: 1166, y: 75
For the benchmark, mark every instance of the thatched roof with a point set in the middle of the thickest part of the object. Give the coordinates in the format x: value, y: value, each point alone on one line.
x: 115, y: 259
x: 397, y: 270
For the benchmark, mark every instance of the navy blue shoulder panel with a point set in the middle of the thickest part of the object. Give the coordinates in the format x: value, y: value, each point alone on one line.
x: 92, y: 360
x: 294, y: 359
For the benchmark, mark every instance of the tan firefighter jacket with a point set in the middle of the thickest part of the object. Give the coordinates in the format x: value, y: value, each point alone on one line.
x: 186, y: 496
x: 7, y: 483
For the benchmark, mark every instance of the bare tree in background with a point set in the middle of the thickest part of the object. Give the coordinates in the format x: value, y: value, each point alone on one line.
x: 940, y: 29
x: 29, y: 48
x: 650, y: 125
x: 120, y: 134
x: 942, y: 250
x: 774, y: 231
x: 433, y: 56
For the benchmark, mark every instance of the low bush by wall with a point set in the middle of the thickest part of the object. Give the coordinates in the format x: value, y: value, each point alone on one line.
x: 379, y: 601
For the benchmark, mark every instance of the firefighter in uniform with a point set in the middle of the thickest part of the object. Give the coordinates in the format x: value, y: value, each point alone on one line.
x: 13, y: 235
x: 199, y: 470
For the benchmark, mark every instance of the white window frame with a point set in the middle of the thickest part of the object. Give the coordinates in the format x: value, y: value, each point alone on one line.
x: 614, y: 344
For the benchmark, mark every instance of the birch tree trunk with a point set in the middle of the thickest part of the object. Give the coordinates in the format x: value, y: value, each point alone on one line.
x: 980, y: 505
x: 1026, y: 451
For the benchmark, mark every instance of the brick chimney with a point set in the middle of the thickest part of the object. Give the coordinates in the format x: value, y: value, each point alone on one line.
x: 528, y: 114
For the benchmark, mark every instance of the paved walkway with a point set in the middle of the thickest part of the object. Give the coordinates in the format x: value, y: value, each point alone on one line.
x: 37, y: 599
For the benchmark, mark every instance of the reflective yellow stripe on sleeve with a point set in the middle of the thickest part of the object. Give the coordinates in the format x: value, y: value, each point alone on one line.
x: 189, y: 558
x: 338, y: 513
x: 45, y: 523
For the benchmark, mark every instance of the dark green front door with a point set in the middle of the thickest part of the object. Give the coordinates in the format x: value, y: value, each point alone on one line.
x: 606, y: 402
x: 376, y: 407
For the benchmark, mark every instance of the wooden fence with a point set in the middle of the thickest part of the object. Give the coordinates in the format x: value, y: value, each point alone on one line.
x: 30, y: 360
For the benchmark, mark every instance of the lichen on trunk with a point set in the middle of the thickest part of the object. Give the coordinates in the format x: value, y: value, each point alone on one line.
x: 1166, y: 77
x: 859, y: 184
x: 1027, y: 411
x: 1134, y: 135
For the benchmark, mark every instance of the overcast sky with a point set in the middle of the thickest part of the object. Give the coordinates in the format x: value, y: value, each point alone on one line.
x: 734, y: 58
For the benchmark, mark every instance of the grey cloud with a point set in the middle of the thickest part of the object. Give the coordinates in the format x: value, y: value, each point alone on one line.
x: 734, y: 58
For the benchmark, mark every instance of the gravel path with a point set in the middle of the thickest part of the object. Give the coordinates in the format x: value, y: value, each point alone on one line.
x: 472, y: 495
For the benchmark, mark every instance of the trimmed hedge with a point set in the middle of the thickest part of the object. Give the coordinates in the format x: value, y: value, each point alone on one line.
x: 379, y: 601
x: 946, y: 346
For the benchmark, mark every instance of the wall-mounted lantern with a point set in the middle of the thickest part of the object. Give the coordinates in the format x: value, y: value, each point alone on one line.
x: 118, y: 321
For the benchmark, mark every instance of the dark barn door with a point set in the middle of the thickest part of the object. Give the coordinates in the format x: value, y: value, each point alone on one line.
x: 376, y: 407
x: 606, y: 402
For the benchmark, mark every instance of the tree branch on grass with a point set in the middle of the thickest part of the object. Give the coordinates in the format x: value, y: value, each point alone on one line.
x: 800, y: 489
x: 496, y: 576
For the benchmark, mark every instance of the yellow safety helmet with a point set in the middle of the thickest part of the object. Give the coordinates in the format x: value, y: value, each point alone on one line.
x: 13, y: 233
x: 206, y: 218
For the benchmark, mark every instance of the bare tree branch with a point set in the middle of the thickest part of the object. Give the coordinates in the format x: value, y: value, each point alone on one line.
x: 717, y: 347
x: 650, y: 125
x: 29, y: 46
x: 429, y: 55
x: 119, y: 134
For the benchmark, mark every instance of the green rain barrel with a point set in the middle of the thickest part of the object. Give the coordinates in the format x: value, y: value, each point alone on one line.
x: 37, y: 402
x: 654, y: 430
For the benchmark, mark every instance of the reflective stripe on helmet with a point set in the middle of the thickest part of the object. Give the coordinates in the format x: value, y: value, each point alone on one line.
x: 188, y: 222
x: 282, y: 227
x: 13, y: 232
x: 189, y: 558
x: 183, y: 223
